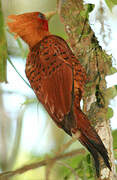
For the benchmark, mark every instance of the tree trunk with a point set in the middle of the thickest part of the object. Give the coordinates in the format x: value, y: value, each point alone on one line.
x: 97, y: 64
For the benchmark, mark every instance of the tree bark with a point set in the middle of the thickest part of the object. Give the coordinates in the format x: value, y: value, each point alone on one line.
x: 97, y: 64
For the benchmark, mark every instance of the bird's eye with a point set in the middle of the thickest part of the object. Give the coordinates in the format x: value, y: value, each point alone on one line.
x: 41, y: 16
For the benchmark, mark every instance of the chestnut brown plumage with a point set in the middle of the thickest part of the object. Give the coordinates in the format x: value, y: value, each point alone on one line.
x: 58, y: 80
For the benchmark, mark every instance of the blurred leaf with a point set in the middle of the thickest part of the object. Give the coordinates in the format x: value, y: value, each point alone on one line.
x: 111, y: 92
x: 113, y: 70
x: 82, y: 165
x: 116, y: 87
x: 3, y: 48
x: 90, y: 7
x: 88, y: 159
x: 111, y: 3
x: 109, y: 113
x: 30, y: 101
x: 73, y: 162
x: 114, y: 133
x: 114, y: 1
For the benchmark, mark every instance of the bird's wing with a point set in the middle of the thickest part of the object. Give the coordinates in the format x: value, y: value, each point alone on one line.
x: 57, y: 88
x: 52, y: 79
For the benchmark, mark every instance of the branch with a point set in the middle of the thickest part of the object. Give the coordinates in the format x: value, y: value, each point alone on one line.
x: 41, y: 163
x: 61, y: 150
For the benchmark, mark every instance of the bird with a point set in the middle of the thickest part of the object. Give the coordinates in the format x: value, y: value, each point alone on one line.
x: 58, y: 80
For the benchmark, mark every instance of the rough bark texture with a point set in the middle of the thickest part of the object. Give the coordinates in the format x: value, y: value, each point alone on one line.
x: 98, y: 64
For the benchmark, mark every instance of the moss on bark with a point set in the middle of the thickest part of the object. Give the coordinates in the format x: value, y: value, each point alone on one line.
x: 98, y: 64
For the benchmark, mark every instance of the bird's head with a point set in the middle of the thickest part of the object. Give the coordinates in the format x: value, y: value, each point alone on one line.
x: 31, y: 27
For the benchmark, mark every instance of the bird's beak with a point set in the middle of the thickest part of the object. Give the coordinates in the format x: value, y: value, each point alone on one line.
x: 50, y: 14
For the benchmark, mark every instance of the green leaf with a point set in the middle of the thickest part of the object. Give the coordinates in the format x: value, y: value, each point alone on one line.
x: 3, y: 49
x: 90, y: 7
x: 111, y: 3
x: 88, y: 158
x: 114, y: 2
x: 30, y: 101
x: 114, y: 133
x: 113, y: 70
x: 109, y: 113
x: 111, y: 92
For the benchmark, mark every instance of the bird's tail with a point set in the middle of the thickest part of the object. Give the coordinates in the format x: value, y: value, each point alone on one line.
x: 90, y: 139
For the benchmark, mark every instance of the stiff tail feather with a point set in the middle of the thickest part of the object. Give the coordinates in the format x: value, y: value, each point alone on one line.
x: 92, y: 150
x: 90, y: 139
